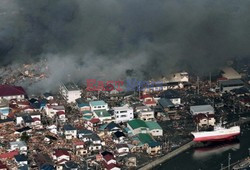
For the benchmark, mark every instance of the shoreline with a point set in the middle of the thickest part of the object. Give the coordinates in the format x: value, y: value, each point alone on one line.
x: 168, y: 156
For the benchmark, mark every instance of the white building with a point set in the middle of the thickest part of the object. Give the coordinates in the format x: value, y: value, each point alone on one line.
x: 70, y: 132
x: 52, y: 110
x: 18, y: 145
x: 98, y: 105
x: 52, y: 129
x: 70, y: 92
x: 123, y: 114
x: 145, y: 113
x: 203, y: 115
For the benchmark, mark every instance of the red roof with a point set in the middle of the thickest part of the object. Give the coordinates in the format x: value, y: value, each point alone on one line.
x: 150, y: 102
x: 146, y: 96
x: 63, y: 161
x: 8, y: 90
x: 9, y: 155
x: 108, y: 157
x: 79, y: 143
x: 221, y: 78
x: 95, y: 120
x: 2, y: 166
x: 59, y: 153
x: 110, y: 166
x: 23, y: 103
x: 35, y: 119
x: 60, y: 113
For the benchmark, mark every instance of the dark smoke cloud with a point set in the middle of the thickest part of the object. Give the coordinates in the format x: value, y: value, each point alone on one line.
x: 113, y: 37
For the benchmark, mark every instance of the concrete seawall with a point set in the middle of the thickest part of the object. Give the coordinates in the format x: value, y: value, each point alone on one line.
x: 167, y: 157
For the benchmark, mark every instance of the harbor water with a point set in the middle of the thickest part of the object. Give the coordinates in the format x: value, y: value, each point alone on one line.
x: 211, y: 157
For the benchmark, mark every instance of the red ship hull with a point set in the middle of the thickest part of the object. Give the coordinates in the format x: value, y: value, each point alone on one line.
x: 216, y: 138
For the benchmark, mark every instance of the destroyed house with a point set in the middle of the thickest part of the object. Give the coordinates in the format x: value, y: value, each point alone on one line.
x: 118, y: 137
x: 166, y: 104
x: 228, y: 85
x: 48, y: 96
x: 172, y: 95
x: 23, y: 130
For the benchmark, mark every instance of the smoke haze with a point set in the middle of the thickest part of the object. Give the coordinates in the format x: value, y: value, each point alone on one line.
x: 111, y: 38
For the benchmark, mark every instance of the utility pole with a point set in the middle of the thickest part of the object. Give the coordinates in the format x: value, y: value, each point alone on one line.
x: 221, y: 166
x: 229, y: 159
x: 210, y: 80
x: 139, y: 91
x: 198, y: 85
x: 98, y: 94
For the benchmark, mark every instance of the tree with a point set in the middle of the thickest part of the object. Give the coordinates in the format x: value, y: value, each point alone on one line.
x: 25, y: 137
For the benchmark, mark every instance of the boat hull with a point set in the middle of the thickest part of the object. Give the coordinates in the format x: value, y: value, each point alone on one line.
x: 216, y: 137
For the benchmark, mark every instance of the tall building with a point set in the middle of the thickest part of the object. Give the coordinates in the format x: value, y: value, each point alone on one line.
x: 70, y: 92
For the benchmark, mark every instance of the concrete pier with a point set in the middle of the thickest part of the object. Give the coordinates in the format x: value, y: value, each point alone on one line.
x: 168, y: 156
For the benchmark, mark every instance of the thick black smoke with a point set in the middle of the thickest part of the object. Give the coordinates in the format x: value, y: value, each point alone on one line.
x: 113, y: 37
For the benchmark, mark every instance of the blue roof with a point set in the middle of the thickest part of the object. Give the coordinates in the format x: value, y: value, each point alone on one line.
x: 36, y: 105
x: 153, y: 144
x: 47, y: 94
x: 44, y: 101
x: 102, y: 127
x: 97, y: 103
x: 85, y: 132
x: 47, y: 167
x: 20, y: 158
x: 82, y: 104
x: 112, y: 126
x: 24, y: 167
x: 165, y: 103
x: 68, y: 127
